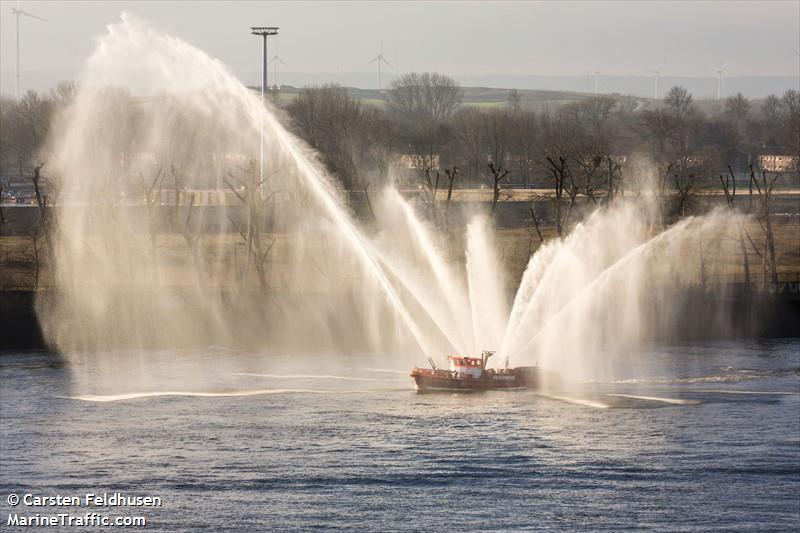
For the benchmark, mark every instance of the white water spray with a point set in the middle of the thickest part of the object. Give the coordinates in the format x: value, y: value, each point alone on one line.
x: 158, y: 122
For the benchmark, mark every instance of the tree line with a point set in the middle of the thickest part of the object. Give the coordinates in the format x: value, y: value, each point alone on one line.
x: 425, y: 136
x: 577, y: 149
x: 425, y: 119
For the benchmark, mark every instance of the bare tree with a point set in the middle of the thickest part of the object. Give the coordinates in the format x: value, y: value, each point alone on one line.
x: 470, y: 142
x: 524, y: 131
x: 678, y: 102
x: 64, y: 93
x: 535, y: 226
x: 562, y: 180
x: 192, y: 233
x: 764, y: 189
x: 190, y: 228
x: 498, y: 175
x: 658, y: 128
x: 771, y: 108
x: 422, y: 105
x: 729, y: 189
x: 248, y: 188
x: 582, y: 133
x: 2, y: 214
x: 35, y: 235
x: 497, y: 136
x: 430, y: 188
x: 9, y: 136
x: 685, y: 186
x: 771, y: 114
x: 151, y: 195
x: 427, y: 95
x: 352, y: 138
x: 452, y: 174
x: 45, y: 219
x: 615, y: 183
x: 737, y: 107
x: 692, y: 174
x: 514, y: 100
x: 28, y: 128
x: 789, y: 134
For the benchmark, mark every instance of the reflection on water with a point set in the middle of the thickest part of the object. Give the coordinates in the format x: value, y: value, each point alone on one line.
x: 281, y: 442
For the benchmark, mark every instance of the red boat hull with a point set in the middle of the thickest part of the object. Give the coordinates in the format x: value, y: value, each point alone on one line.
x: 428, y: 380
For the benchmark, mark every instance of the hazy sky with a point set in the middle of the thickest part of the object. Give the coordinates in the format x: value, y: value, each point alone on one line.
x: 456, y: 38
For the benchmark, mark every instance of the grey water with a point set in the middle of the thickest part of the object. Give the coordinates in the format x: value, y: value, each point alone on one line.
x: 696, y: 438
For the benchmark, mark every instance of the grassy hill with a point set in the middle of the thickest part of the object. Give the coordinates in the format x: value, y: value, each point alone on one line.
x: 475, y: 96
x: 490, y: 97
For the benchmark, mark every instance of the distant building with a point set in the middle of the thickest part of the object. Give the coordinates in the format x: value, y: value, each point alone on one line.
x: 419, y: 162
x: 778, y: 163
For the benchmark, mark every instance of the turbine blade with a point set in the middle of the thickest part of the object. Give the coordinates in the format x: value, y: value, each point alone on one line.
x: 387, y: 63
x: 31, y: 15
x: 373, y: 60
x: 281, y: 61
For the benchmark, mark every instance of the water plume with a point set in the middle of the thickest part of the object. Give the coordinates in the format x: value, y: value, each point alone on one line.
x: 587, y: 301
x: 486, y: 287
x: 186, y: 114
x: 280, y: 263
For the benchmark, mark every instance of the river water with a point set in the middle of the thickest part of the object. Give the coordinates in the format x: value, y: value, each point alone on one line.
x: 697, y: 438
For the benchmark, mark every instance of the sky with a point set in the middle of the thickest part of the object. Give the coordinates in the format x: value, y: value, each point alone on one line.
x: 331, y: 40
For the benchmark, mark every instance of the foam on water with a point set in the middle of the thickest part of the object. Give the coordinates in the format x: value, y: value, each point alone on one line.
x: 677, y: 401
x: 576, y: 400
x: 305, y: 376
x: 202, y: 394
x: 387, y: 371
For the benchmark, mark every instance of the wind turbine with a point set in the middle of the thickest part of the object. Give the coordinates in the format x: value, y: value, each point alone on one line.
x: 379, y: 59
x: 18, y: 13
x: 274, y: 61
x: 658, y: 76
x: 720, y: 82
x: 596, y: 81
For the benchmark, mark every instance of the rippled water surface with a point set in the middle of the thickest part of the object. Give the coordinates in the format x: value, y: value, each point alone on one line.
x: 696, y: 438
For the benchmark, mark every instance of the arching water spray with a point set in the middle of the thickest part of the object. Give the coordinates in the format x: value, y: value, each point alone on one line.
x: 158, y: 123
x: 486, y: 288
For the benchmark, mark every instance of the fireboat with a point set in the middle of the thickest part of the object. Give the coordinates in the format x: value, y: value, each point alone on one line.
x: 470, y: 374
